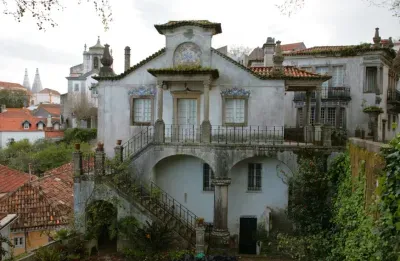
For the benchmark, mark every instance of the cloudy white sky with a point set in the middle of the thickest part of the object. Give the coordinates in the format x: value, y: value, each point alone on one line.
x: 244, y: 22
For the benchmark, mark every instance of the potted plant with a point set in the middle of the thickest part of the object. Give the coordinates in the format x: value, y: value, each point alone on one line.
x: 200, y: 221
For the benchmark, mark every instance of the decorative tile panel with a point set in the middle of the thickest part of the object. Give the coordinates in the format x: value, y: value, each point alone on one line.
x: 235, y: 92
x: 187, y: 54
x: 141, y: 91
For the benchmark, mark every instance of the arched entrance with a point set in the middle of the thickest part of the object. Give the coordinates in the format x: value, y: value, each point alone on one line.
x: 187, y: 179
x: 101, y: 225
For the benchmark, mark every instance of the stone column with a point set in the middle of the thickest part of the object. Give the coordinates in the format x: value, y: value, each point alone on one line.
x: 327, y: 135
x: 220, y: 231
x: 78, y: 171
x: 99, y: 160
x: 159, y: 127
x: 78, y: 166
x: 119, y: 156
x: 307, y: 112
x: 200, y: 239
x: 206, y: 125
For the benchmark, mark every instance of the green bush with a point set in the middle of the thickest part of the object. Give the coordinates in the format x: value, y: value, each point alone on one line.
x: 47, y: 254
x: 79, y: 135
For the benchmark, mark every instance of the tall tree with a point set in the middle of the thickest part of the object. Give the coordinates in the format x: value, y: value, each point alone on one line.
x: 42, y: 10
x: 238, y: 50
x: 289, y: 7
x: 14, y: 98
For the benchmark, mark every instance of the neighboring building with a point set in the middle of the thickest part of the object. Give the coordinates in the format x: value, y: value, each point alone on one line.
x: 361, y: 76
x: 198, y: 100
x: 16, y: 87
x: 20, y: 124
x: 47, y: 96
x: 18, y: 179
x: 6, y: 220
x: 80, y: 83
x: 43, y: 205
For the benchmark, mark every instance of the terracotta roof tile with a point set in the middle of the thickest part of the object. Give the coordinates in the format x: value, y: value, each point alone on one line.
x: 289, y: 72
x: 293, y: 47
x: 45, y: 202
x: 11, y: 179
x: 11, y: 85
x: 12, y: 119
x: 53, y: 109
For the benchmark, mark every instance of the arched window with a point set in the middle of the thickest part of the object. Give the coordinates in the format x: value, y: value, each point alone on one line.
x: 96, y: 63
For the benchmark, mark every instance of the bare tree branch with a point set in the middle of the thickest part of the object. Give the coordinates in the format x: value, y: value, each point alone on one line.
x: 42, y: 10
x: 82, y: 108
x: 238, y: 50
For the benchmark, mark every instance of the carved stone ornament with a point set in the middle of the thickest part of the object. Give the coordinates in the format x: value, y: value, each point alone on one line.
x: 235, y: 92
x: 141, y: 91
x: 221, y: 181
x: 187, y: 54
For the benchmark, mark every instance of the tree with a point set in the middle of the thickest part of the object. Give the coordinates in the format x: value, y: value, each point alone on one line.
x: 290, y: 7
x: 14, y: 98
x: 4, y: 241
x: 81, y: 107
x: 238, y: 50
x: 41, y: 10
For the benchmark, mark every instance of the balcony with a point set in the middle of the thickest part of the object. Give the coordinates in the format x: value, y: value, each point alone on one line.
x: 331, y: 93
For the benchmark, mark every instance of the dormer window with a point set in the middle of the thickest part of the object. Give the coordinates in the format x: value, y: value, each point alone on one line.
x: 40, y: 126
x: 56, y: 126
x: 26, y: 125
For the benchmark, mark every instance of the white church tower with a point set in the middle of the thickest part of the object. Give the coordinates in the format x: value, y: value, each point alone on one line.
x: 26, y: 83
x: 37, y: 84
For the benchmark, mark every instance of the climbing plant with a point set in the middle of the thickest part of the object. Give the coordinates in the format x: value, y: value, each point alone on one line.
x: 101, y: 215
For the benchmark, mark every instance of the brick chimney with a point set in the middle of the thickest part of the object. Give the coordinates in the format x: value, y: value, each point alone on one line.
x: 278, y: 58
x: 127, y: 58
x: 269, y: 50
x: 49, y: 125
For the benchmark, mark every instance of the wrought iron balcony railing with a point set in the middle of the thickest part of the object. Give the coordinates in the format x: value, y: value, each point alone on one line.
x: 331, y: 93
x: 393, y: 96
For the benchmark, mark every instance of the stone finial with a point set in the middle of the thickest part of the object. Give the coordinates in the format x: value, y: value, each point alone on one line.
x: 98, y: 40
x: 269, y: 49
x: 127, y: 63
x: 278, y: 57
x: 107, y: 62
x: 84, y: 48
x: 396, y: 63
x: 100, y: 146
x: 377, y: 38
x: 391, y: 44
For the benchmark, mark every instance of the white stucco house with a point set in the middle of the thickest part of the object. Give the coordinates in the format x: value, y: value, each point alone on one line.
x: 6, y: 220
x: 362, y: 76
x: 197, y: 122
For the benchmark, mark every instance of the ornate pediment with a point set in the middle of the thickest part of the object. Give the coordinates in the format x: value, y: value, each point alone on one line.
x: 236, y: 92
x: 141, y: 91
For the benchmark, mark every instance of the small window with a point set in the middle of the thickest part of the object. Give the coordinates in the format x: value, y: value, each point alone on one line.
x: 337, y: 76
x: 56, y: 126
x: 76, y: 87
x: 26, y: 126
x: 254, y: 177
x: 142, y: 110
x: 235, y: 111
x: 371, y: 79
x: 40, y: 126
x: 323, y: 115
x: 18, y: 242
x: 331, y: 116
x: 208, y: 175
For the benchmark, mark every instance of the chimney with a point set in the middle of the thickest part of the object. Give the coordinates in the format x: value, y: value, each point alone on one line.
x: 377, y: 38
x: 127, y: 58
x: 269, y: 49
x: 49, y: 124
x: 278, y: 58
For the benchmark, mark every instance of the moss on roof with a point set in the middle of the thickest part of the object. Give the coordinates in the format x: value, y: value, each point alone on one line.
x: 346, y: 50
x: 186, y: 70
x: 131, y: 69
x: 199, y: 23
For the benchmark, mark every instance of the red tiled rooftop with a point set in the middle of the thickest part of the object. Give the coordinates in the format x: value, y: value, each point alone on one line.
x: 53, y: 109
x: 12, y: 119
x: 290, y: 72
x: 11, y: 85
x: 292, y: 46
x: 11, y: 179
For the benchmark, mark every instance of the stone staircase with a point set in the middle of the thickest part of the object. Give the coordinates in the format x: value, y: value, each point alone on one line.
x: 162, y: 207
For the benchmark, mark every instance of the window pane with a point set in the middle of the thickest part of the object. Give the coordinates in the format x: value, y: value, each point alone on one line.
x: 229, y: 110
x: 250, y: 179
x: 342, y: 118
x: 331, y: 116
x: 258, y: 177
x: 300, y: 112
x: 239, y: 115
x: 138, y: 110
x: 322, y: 115
x: 338, y: 76
x: 371, y: 79
x: 147, y: 110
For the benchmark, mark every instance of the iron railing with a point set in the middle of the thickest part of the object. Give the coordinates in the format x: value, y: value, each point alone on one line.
x: 330, y: 93
x: 138, y: 142
x: 182, y: 133
x: 393, y: 96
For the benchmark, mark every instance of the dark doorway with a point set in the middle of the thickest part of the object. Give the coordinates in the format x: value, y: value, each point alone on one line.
x: 247, y: 235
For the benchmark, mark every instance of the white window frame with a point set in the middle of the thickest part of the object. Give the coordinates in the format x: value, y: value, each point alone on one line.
x: 40, y: 126
x: 19, y: 242
x: 235, y: 120
x: 140, y: 119
x: 337, y: 79
x: 26, y: 126
x: 254, y: 177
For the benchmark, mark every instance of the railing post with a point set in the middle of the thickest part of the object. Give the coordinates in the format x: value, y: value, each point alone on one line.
x: 99, y: 160
x: 78, y: 166
x: 200, y: 240
x: 119, y: 151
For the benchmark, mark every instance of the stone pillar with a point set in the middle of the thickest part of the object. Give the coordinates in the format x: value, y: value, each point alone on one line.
x: 159, y: 127
x: 220, y: 231
x: 78, y: 171
x: 119, y: 156
x: 200, y: 239
x: 99, y: 160
x: 327, y: 135
x: 318, y: 106
x: 307, y: 128
x: 206, y: 125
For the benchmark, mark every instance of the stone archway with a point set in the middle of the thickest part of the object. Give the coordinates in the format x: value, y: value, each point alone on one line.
x: 101, y: 225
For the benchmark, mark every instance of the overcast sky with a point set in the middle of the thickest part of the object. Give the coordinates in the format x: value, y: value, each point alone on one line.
x: 244, y: 22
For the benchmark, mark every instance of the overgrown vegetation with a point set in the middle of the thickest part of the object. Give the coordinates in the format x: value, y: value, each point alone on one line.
x: 42, y: 155
x: 13, y: 99
x: 333, y: 221
x: 77, y: 135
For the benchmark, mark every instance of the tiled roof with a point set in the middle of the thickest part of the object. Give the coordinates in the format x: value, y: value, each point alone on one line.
x: 53, y: 109
x: 184, y: 71
x: 290, y: 72
x: 341, y: 50
x: 199, y: 23
x: 11, y: 85
x: 258, y: 53
x: 265, y: 73
x: 12, y: 119
x: 47, y: 90
x: 292, y: 46
x: 131, y: 69
x: 11, y: 179
x: 45, y: 202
